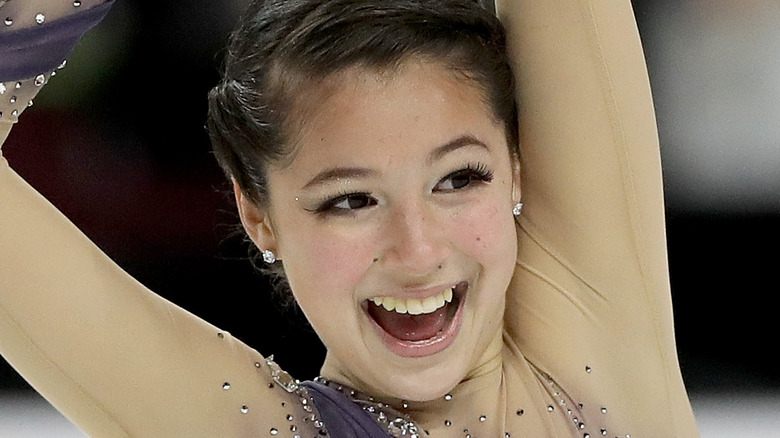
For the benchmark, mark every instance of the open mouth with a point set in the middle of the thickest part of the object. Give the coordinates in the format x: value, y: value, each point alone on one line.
x: 418, y: 327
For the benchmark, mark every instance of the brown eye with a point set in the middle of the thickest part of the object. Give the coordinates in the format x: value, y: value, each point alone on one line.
x: 346, y: 203
x: 461, y: 179
x: 464, y: 178
x: 353, y: 202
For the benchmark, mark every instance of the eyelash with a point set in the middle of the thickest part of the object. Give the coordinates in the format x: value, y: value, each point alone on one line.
x: 476, y: 172
x: 329, y: 206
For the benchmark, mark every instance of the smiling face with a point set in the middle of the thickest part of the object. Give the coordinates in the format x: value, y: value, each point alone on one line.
x: 394, y: 223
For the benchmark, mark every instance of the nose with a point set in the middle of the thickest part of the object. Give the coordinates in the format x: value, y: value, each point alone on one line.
x: 415, y: 236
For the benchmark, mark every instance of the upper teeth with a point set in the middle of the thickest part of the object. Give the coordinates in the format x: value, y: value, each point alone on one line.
x: 414, y: 306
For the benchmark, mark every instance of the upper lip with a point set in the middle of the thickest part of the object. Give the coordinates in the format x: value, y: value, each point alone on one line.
x: 410, y: 293
x: 416, y: 292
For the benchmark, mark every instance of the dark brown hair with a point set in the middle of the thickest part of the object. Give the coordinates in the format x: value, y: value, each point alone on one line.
x: 280, y: 46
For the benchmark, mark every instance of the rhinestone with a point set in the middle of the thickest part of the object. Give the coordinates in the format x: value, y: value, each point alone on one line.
x: 39, y: 80
x: 18, y: 85
x: 447, y: 423
x: 15, y: 113
x: 273, y: 431
x: 221, y: 335
x: 520, y: 412
x: 258, y: 364
x: 507, y: 435
x: 40, y: 18
x: 226, y: 385
x: 244, y: 409
x: 448, y: 397
x: 61, y: 66
x: 9, y: 21
x: 604, y: 432
x: 587, y: 435
x: 2, y: 88
x: 550, y: 408
x: 588, y: 369
x: 289, y: 417
x: 76, y: 3
x: 581, y: 425
x: 293, y: 428
x: 30, y: 103
x: 603, y: 410
x: 13, y: 99
x: 482, y: 418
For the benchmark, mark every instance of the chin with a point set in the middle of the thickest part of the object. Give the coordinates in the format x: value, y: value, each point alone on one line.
x: 421, y: 386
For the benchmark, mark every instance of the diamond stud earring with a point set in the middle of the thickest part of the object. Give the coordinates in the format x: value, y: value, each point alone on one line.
x: 269, y: 256
x: 518, y: 208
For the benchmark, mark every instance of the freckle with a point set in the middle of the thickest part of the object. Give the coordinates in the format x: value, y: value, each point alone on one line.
x: 479, y: 239
x: 376, y: 260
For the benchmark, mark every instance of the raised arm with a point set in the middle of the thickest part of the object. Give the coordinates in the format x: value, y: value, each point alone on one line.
x: 115, y: 358
x: 591, y: 291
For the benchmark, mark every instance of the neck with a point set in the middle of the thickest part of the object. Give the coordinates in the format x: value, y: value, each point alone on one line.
x: 475, y: 403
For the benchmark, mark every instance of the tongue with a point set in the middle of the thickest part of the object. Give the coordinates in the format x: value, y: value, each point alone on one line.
x: 409, y: 327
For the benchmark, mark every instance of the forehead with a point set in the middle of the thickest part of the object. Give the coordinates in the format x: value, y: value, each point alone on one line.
x: 418, y: 104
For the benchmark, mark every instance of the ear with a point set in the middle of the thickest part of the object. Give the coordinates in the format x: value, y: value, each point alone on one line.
x: 516, y: 184
x: 256, y: 221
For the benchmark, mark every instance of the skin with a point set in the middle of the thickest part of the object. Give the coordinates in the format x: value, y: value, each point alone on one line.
x: 394, y: 140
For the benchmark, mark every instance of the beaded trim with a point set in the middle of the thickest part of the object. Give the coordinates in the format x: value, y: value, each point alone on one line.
x: 395, y: 423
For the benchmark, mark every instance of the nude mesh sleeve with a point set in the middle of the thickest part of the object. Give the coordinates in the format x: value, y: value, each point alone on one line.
x: 590, y: 302
x: 111, y: 355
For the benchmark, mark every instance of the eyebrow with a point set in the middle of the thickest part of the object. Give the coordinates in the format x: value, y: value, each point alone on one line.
x: 337, y: 173
x: 451, y: 146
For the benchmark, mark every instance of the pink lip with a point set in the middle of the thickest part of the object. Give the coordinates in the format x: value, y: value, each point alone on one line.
x: 427, y: 347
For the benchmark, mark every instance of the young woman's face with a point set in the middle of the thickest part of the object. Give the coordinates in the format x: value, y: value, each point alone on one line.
x: 394, y: 223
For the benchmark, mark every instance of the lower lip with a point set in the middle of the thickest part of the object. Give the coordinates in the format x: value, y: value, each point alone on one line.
x: 426, y: 347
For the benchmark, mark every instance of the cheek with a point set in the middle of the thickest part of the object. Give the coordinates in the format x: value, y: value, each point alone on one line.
x: 486, y: 232
x: 331, y: 260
